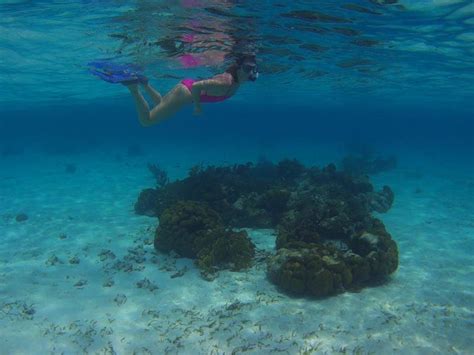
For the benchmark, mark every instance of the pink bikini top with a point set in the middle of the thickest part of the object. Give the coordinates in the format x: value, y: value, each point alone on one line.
x: 203, y: 98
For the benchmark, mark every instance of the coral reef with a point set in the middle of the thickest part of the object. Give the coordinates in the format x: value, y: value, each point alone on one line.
x: 315, y: 270
x: 328, y: 267
x: 194, y: 230
x: 148, y: 203
x: 327, y: 240
x: 383, y: 200
x: 160, y: 175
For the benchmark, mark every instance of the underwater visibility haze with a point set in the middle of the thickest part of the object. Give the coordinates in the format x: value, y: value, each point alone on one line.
x: 321, y: 202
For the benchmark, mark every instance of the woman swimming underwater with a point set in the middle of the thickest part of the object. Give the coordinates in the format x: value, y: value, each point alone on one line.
x: 190, y: 91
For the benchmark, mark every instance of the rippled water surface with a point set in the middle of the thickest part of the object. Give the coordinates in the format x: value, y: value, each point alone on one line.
x: 411, y: 49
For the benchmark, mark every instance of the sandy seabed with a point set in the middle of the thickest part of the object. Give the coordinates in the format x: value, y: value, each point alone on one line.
x: 80, y: 275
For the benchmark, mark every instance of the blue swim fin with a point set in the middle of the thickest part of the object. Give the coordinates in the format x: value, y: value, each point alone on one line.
x: 117, y: 73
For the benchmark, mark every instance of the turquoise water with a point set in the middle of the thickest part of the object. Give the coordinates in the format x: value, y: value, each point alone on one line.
x: 395, y: 78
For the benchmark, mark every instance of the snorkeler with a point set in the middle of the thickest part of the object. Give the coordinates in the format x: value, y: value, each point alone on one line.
x: 209, y: 42
x: 189, y: 91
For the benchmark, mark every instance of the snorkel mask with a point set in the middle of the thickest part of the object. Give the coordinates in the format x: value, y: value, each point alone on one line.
x: 251, y: 69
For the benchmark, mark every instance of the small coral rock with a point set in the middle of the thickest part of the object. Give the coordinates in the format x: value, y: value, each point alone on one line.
x: 185, y: 228
x: 21, y: 217
x: 309, y: 271
x: 194, y: 230
x: 323, y: 269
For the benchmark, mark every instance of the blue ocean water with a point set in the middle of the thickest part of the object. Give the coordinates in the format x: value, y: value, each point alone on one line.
x: 392, y: 77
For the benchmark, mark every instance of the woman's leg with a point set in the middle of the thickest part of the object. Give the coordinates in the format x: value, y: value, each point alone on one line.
x: 141, y: 104
x: 171, y: 103
x: 155, y: 95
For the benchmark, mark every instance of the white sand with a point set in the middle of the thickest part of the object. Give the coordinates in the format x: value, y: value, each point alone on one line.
x: 426, y: 308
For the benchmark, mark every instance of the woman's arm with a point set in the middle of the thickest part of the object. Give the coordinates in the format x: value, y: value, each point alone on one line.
x: 219, y: 85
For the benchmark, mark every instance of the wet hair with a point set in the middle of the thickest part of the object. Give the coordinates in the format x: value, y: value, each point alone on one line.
x: 239, y: 61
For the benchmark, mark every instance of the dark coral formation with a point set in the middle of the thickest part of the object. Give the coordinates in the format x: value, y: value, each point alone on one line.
x: 245, y: 195
x: 194, y: 230
x: 21, y: 217
x: 335, y: 265
x: 148, y: 203
x: 327, y: 240
x: 159, y: 174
